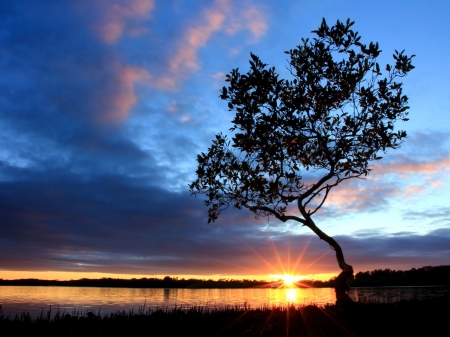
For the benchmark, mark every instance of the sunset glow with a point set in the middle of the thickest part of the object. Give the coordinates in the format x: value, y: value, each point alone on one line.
x: 288, y: 280
x: 65, y: 276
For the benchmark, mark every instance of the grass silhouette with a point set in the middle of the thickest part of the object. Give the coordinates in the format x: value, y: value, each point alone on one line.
x: 428, y: 317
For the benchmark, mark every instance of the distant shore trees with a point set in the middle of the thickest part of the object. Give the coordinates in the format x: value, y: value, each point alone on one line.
x: 425, y: 276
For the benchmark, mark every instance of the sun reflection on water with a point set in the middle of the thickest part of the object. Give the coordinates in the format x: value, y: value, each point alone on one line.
x: 291, y: 295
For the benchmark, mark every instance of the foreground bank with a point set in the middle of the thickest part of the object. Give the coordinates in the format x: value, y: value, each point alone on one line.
x: 430, y: 317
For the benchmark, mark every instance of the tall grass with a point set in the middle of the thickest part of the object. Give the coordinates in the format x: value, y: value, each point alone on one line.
x: 409, y: 317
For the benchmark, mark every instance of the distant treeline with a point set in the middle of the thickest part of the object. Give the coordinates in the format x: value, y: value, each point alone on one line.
x: 166, y: 282
x: 425, y: 276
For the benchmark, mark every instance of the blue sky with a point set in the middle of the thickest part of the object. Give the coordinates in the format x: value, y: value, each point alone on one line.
x: 104, y: 105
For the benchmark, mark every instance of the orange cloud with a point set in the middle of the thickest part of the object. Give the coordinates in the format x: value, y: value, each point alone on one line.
x: 116, y: 13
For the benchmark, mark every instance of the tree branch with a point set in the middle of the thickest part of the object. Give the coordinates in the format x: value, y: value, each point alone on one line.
x: 283, y: 218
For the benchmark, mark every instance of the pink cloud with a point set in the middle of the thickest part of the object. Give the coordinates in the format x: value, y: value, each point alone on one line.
x: 414, y: 167
x: 380, y: 187
x: 120, y: 98
x: 165, y: 82
x: 198, y: 36
x: 255, y: 21
x: 413, y: 190
x: 353, y: 197
x: 220, y: 16
x: 186, y: 56
x: 184, y: 59
x: 219, y: 76
x: 116, y: 13
x: 250, y: 18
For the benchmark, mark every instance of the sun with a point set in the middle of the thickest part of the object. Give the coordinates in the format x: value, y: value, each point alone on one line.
x: 287, y: 279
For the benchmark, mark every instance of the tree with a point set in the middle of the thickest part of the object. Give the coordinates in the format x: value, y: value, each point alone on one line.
x: 328, y: 122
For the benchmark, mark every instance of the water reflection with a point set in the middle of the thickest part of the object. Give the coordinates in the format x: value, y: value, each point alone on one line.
x: 291, y: 295
x: 166, y: 295
x: 15, y: 299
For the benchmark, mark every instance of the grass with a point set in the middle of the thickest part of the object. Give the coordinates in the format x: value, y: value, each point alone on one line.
x: 429, y: 317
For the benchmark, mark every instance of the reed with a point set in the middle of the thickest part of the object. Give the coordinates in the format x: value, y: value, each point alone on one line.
x: 409, y: 317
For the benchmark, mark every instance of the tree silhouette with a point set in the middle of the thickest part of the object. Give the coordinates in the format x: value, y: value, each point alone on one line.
x: 294, y: 140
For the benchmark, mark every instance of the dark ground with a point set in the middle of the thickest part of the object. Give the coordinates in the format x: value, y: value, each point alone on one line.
x: 430, y: 317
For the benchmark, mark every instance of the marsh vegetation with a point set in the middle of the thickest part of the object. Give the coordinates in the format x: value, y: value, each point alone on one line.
x: 364, y: 318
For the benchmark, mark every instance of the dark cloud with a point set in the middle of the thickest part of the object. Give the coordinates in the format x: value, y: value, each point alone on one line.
x: 122, y: 224
x: 436, y: 217
x: 439, y: 213
x: 398, y: 251
x: 427, y: 144
x: 63, y: 92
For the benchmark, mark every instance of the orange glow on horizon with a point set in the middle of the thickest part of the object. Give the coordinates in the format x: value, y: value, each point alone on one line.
x: 279, y: 266
x: 65, y: 276
x: 288, y: 280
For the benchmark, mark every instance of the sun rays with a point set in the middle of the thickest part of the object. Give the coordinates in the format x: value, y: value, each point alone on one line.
x: 287, y: 280
x: 281, y: 263
x: 287, y: 272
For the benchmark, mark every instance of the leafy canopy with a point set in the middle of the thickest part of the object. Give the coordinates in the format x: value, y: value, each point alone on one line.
x: 331, y: 118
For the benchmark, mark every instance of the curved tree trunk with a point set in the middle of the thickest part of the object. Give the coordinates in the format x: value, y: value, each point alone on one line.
x: 341, y: 283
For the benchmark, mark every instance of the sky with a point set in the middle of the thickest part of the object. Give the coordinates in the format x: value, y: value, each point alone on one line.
x: 105, y: 104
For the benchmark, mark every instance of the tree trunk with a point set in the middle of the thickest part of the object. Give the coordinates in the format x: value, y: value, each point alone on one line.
x: 341, y: 283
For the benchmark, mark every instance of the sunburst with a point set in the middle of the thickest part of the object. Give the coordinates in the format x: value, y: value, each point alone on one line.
x: 287, y: 279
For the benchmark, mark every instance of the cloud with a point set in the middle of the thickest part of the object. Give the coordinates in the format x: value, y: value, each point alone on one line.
x: 409, y: 166
x: 417, y: 169
x: 423, y: 153
x: 121, y: 95
x: 185, y: 57
x: 397, y: 251
x: 250, y: 18
x: 356, y: 195
x: 113, y: 16
x: 222, y: 15
x: 438, y: 216
x: 219, y: 76
x: 117, y: 223
x: 62, y: 91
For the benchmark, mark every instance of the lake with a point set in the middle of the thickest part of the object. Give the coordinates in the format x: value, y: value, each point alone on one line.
x: 35, y: 299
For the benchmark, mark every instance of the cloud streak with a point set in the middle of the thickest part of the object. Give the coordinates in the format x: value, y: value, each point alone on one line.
x: 397, y: 176
x: 222, y: 15
x: 113, y: 16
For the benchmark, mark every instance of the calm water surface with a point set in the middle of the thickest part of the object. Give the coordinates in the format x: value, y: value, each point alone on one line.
x: 17, y: 299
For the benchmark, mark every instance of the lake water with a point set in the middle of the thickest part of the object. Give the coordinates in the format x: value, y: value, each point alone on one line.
x: 18, y: 299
